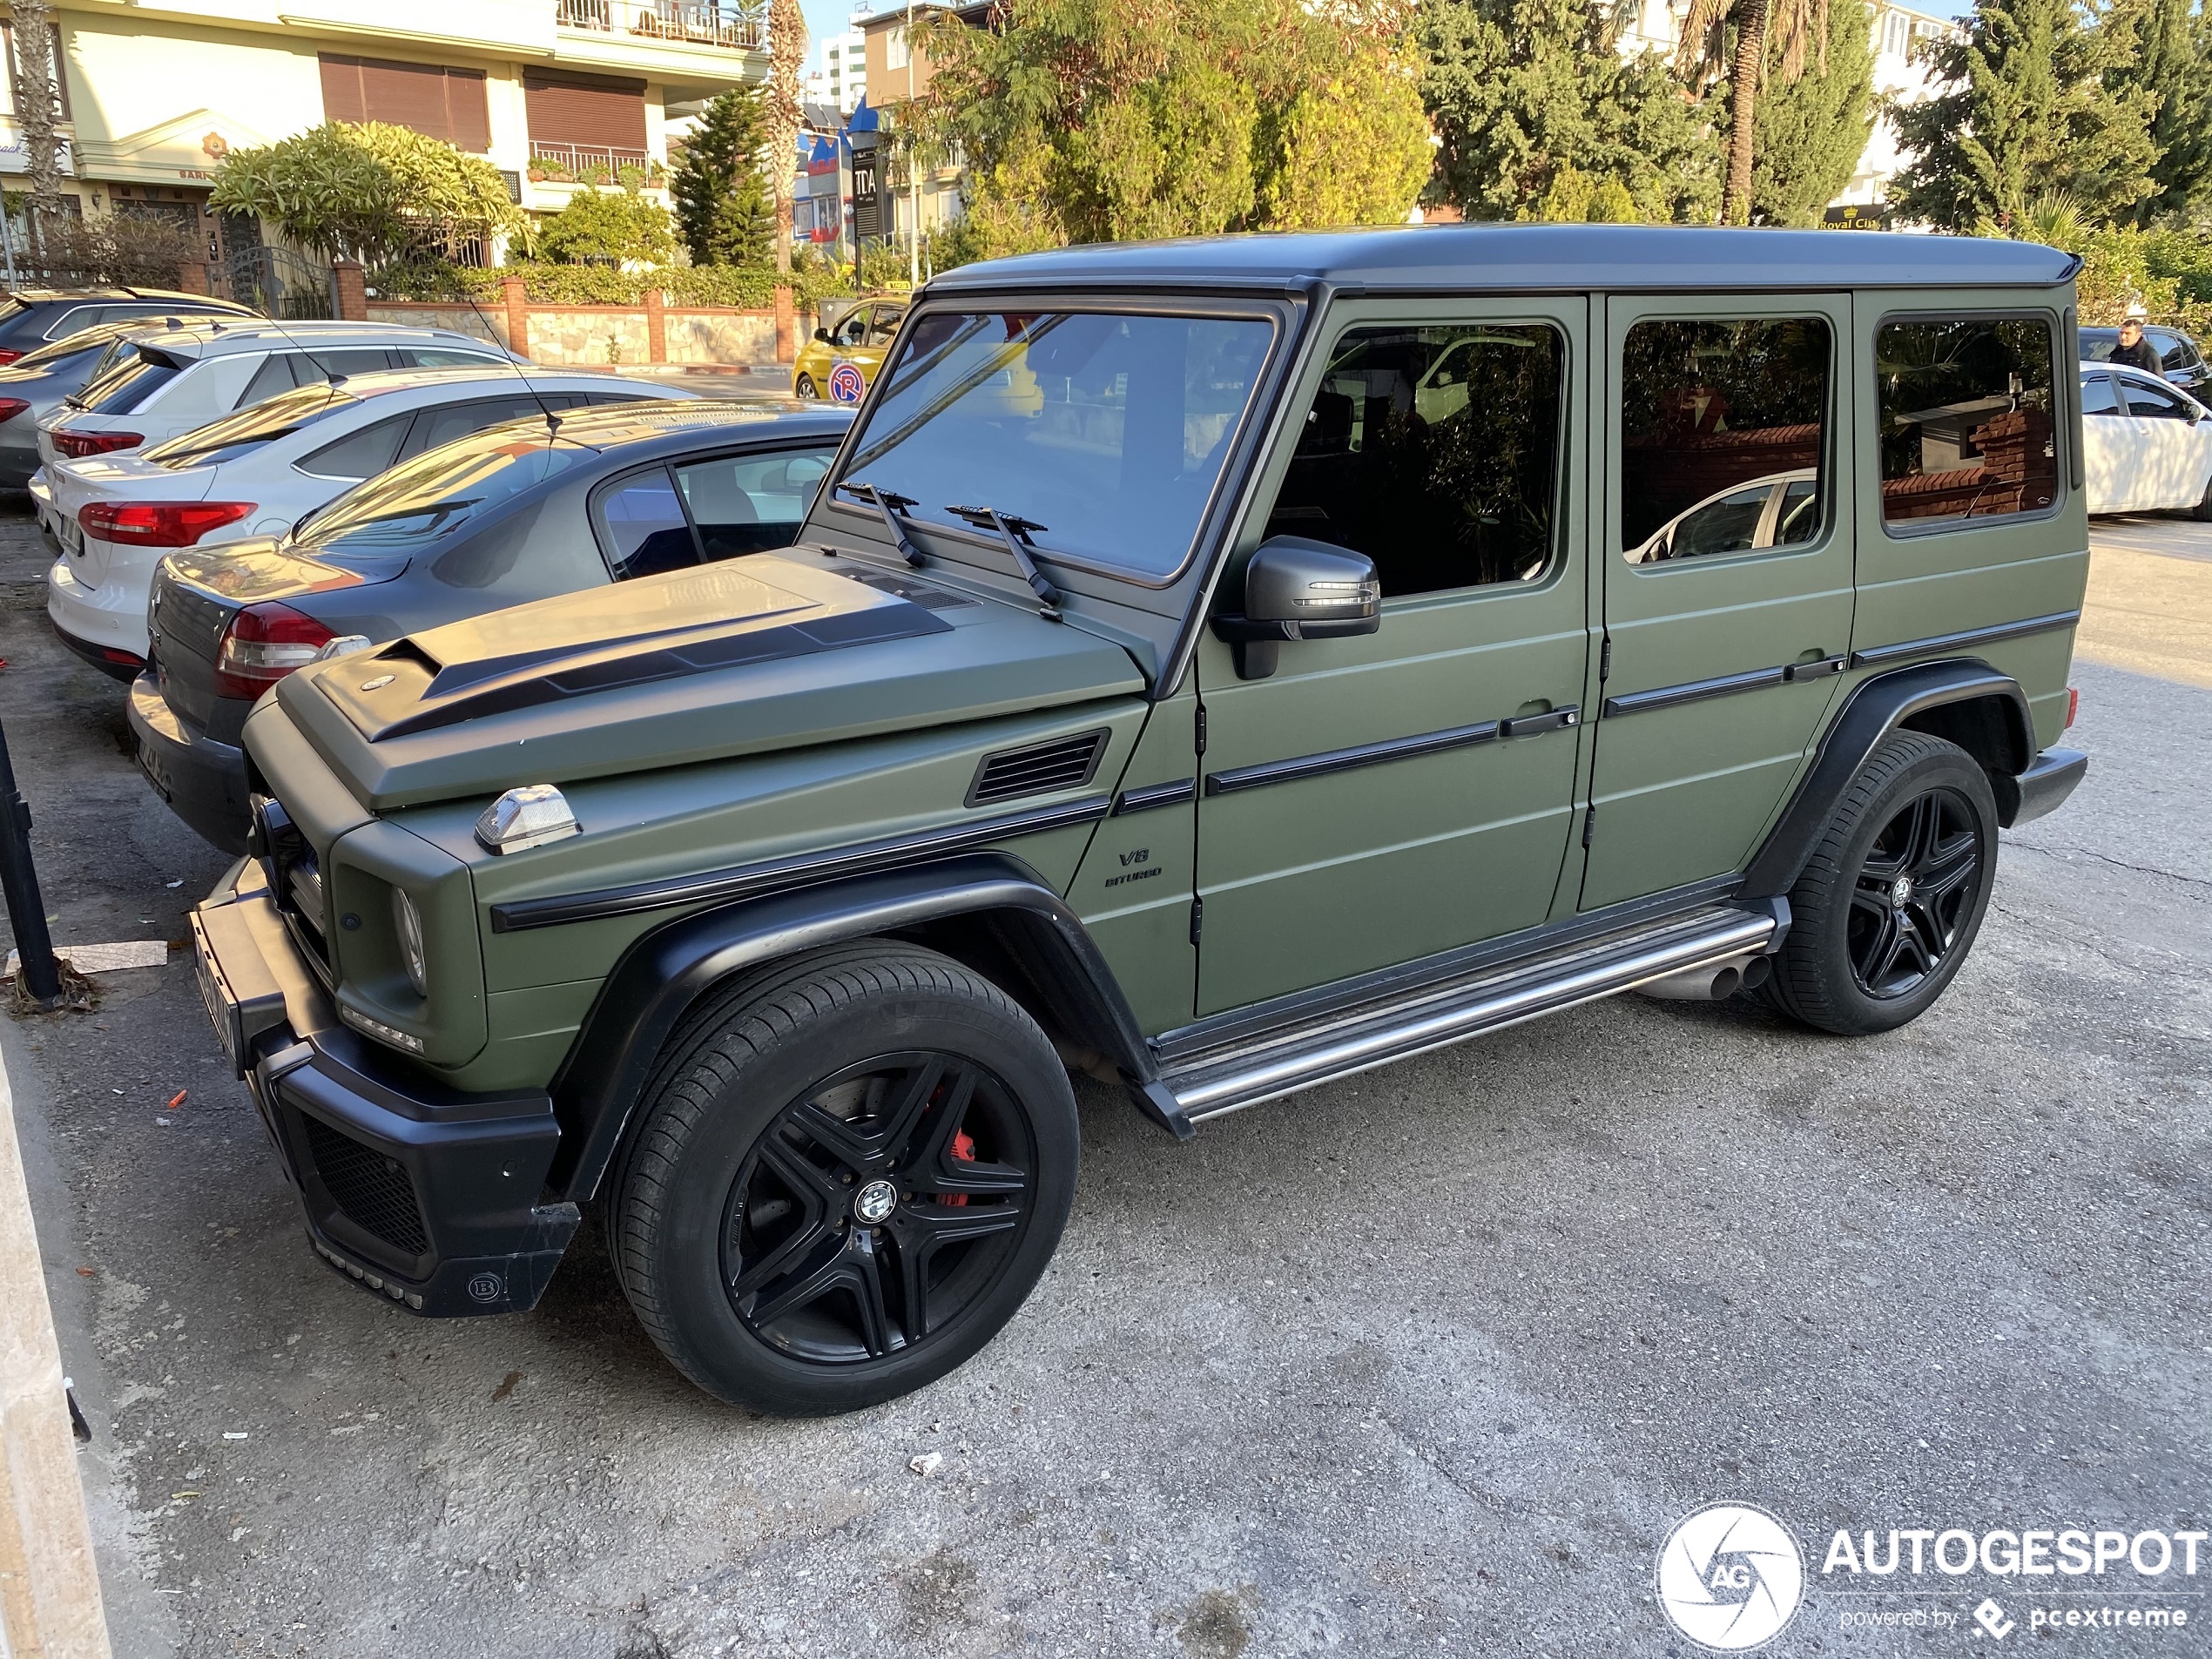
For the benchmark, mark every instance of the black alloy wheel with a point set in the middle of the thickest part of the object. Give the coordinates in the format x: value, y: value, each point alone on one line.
x: 1890, y: 902
x: 848, y: 1171
x: 1919, y: 879
x: 878, y: 1207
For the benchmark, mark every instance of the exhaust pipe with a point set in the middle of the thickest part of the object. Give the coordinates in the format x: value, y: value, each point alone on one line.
x: 1713, y: 982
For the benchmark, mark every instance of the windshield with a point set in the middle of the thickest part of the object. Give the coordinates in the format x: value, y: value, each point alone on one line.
x: 248, y: 429
x: 1105, y: 432
x: 436, y: 493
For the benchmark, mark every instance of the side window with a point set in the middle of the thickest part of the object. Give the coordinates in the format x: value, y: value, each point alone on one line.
x: 2173, y: 350
x: 646, y: 532
x: 435, y: 426
x: 79, y: 317
x: 361, y: 455
x: 750, y: 503
x: 1434, y: 450
x: 2097, y: 395
x: 440, y: 357
x: 273, y: 376
x: 1723, y: 429
x: 321, y: 365
x: 882, y: 325
x: 2155, y: 401
x: 1968, y: 430
x: 853, y: 330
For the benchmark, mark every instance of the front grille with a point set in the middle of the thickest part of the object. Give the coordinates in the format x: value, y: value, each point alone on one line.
x: 370, y: 1190
x: 1064, y: 763
x: 295, y: 882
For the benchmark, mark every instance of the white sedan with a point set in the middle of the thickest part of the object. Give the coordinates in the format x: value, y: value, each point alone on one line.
x: 2145, y: 446
x: 257, y: 473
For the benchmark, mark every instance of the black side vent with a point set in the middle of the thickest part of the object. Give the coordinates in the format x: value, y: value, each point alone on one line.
x: 372, y: 1191
x: 1065, y: 763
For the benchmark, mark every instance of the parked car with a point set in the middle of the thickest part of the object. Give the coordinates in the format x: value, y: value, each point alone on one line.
x: 2179, y: 359
x: 838, y: 363
x: 1775, y: 511
x: 2146, y: 445
x: 1218, y: 727
x: 31, y: 318
x: 257, y: 472
x: 166, y: 389
x: 505, y: 515
x: 36, y: 384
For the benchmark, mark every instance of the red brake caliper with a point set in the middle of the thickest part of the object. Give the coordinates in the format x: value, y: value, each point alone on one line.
x: 964, y: 1150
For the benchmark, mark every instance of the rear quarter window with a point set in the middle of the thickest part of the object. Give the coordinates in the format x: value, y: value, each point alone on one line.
x: 1968, y: 422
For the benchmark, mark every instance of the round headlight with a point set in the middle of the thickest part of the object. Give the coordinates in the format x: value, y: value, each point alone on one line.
x: 408, y: 924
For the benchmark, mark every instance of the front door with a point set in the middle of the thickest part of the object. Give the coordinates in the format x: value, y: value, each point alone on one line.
x: 1381, y: 798
x: 2168, y: 446
x: 1725, y: 542
x: 2110, y: 444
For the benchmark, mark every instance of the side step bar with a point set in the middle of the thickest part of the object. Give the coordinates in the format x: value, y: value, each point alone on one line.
x: 1436, y: 1015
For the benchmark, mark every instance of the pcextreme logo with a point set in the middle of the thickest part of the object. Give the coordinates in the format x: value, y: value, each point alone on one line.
x: 1731, y: 1577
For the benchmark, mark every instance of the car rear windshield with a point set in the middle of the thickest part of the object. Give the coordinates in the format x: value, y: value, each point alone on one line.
x: 1105, y: 431
x: 431, y: 497
x: 122, y: 387
x: 75, y: 344
x: 247, y: 430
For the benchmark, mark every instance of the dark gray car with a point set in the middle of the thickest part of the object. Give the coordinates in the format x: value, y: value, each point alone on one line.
x: 514, y: 513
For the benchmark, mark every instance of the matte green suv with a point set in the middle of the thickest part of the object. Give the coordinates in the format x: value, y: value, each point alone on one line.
x: 1216, y: 667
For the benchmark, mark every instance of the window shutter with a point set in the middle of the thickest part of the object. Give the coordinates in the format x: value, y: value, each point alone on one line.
x: 591, y: 110
x: 441, y: 103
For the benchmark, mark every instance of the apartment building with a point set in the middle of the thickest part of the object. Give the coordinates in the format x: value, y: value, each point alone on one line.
x: 556, y: 93
x: 898, y: 68
x: 839, y: 75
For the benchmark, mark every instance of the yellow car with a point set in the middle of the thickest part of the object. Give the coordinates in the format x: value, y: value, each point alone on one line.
x: 838, y: 363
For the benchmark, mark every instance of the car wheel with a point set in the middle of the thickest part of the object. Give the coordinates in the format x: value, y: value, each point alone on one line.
x: 806, y: 388
x: 1890, y: 903
x: 848, y: 1174
x: 2202, y: 510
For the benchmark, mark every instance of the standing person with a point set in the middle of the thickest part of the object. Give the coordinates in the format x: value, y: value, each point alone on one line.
x: 2135, y: 351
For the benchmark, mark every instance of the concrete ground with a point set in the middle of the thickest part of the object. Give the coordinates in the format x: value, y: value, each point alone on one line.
x: 1427, y: 1361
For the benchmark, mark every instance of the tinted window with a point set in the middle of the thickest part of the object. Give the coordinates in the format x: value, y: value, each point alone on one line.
x: 2096, y: 344
x: 73, y: 318
x: 432, y: 496
x: 748, y: 503
x: 2143, y: 398
x: 646, y: 531
x: 2097, y: 395
x: 362, y: 454
x: 235, y: 434
x: 1966, y: 425
x: 1709, y: 409
x: 439, y: 357
x: 273, y: 376
x: 1434, y: 451
x: 435, y: 426
x: 2173, y: 351
x: 129, y: 382
x: 853, y: 330
x: 1106, y: 432
x: 884, y: 325
x: 319, y: 365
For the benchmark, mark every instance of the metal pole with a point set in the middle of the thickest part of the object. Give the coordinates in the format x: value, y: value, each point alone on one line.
x: 8, y: 241
x: 19, y: 881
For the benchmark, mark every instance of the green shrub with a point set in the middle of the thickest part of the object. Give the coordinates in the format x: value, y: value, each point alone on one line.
x: 609, y: 225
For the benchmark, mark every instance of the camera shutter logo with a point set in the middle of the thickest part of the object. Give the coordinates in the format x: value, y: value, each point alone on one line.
x: 846, y: 384
x: 1731, y: 1577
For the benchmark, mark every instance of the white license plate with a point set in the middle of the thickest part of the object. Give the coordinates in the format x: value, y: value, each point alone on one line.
x: 73, y: 536
x: 218, y: 1009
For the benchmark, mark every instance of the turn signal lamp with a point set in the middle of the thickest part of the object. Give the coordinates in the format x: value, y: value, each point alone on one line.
x: 524, y: 818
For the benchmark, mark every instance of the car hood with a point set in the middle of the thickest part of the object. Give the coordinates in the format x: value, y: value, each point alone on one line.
x: 759, y: 653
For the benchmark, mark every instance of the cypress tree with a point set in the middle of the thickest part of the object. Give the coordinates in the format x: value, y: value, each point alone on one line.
x: 2038, y: 98
x: 2170, y: 65
x: 1812, y: 132
x: 725, y: 205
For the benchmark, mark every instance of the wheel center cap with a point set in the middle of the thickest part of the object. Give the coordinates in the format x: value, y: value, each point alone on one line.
x: 1900, y: 889
x: 874, y: 1202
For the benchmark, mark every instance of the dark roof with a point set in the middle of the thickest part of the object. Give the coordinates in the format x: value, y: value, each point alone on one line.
x: 1525, y: 257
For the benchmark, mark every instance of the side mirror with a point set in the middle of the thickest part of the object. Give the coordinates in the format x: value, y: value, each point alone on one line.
x: 1295, y: 589
x: 822, y: 334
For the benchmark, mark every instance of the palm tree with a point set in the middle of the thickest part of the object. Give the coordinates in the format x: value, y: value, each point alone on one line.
x: 1797, y: 25
x: 786, y: 57
x: 36, y: 100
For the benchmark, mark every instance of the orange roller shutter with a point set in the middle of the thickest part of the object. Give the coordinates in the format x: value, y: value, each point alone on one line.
x: 591, y: 110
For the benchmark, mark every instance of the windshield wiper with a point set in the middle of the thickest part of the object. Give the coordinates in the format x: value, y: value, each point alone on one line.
x: 1015, y: 533
x: 889, y: 507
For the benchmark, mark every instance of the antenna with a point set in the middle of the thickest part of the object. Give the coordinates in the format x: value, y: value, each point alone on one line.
x: 552, y: 420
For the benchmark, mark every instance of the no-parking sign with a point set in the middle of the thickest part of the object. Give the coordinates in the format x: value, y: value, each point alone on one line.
x: 846, y: 384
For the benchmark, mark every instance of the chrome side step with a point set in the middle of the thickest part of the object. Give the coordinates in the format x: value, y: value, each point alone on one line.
x: 1436, y: 1015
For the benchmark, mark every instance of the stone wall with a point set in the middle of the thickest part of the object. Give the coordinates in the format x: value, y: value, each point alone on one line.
x: 600, y: 336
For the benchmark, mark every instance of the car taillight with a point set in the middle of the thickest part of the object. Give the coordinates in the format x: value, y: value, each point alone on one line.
x: 158, y: 524
x: 261, y: 644
x: 7, y: 356
x: 11, y: 407
x: 2072, y: 705
x: 75, y: 446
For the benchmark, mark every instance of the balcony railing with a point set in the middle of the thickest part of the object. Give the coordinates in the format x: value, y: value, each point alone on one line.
x: 736, y: 25
x: 589, y: 163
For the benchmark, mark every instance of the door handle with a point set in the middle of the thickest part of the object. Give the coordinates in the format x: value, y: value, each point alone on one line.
x: 1530, y: 725
x: 1817, y: 671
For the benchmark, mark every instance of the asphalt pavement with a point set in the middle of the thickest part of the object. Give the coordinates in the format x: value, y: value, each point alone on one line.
x: 1428, y: 1361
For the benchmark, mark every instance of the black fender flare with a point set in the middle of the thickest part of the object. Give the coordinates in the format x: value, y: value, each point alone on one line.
x: 1878, y: 707
x: 666, y: 970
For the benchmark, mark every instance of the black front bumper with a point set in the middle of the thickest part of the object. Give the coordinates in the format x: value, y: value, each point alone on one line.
x: 425, y: 1196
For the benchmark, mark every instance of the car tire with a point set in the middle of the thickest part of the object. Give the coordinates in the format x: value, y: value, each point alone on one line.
x: 1891, y: 901
x: 804, y: 386
x: 848, y: 1173
x: 2202, y: 510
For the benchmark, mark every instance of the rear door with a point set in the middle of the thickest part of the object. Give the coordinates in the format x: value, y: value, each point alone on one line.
x: 1382, y: 799
x: 2167, y: 469
x: 1721, y: 655
x: 2110, y: 444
